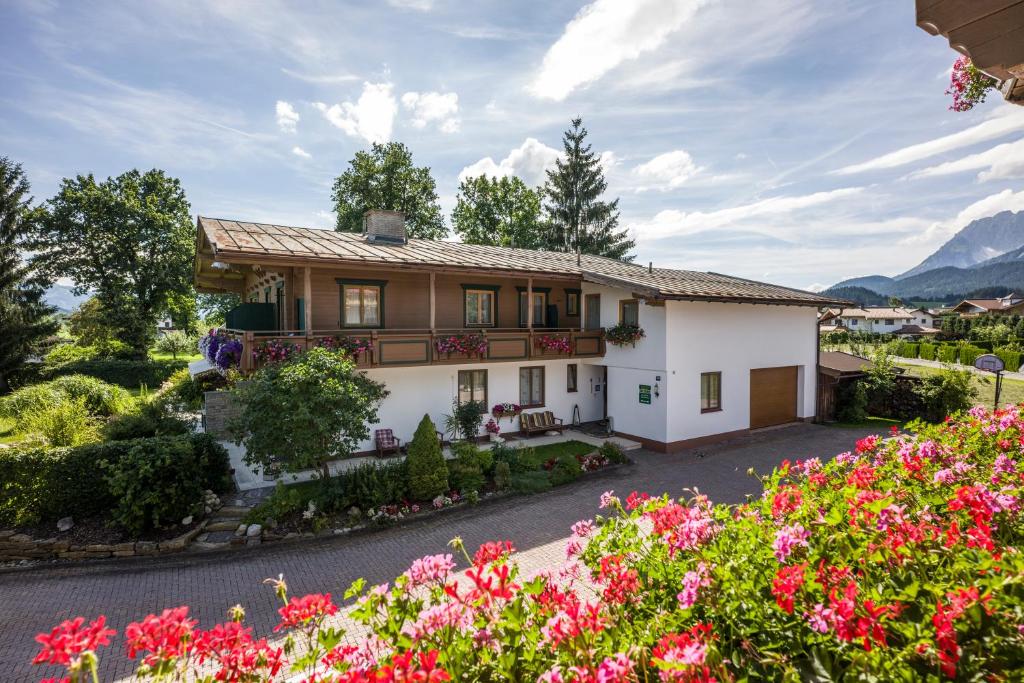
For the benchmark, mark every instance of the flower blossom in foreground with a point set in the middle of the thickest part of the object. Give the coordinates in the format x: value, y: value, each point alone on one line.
x: 67, y: 643
x: 788, y: 538
x: 429, y: 569
x: 693, y: 581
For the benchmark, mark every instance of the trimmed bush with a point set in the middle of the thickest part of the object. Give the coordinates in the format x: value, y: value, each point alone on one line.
x: 66, y: 422
x: 41, y: 484
x: 907, y: 350
x: 613, y: 452
x: 947, y: 354
x: 464, y: 472
x: 502, y: 476
x: 926, y: 351
x: 1010, y: 358
x: 366, y: 486
x: 428, y: 475
x: 130, y: 374
x: 153, y: 418
x: 566, y: 469
x: 969, y: 353
x: 534, y: 481
x: 99, y: 397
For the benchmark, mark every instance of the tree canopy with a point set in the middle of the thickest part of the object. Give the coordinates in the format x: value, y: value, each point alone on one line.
x: 129, y: 239
x: 573, y: 205
x: 385, y: 178
x: 498, y: 211
x: 24, y: 316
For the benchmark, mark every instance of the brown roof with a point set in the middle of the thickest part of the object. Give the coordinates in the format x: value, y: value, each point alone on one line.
x: 840, y: 363
x: 224, y: 239
x: 987, y: 304
x: 917, y: 329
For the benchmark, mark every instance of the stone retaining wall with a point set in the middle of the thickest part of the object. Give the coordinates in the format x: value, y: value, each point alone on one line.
x: 15, y: 547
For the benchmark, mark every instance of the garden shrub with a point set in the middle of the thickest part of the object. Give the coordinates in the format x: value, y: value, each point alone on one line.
x: 464, y: 473
x: 613, y: 452
x: 969, y: 353
x: 66, y: 422
x: 130, y: 374
x: 43, y: 484
x: 926, y: 351
x: 503, y: 453
x: 189, y: 391
x: 465, y: 419
x: 100, y: 398
x: 565, y: 470
x: 946, y: 393
x: 947, y: 354
x: 428, y: 475
x: 1010, y: 358
x: 155, y: 484
x: 502, y: 476
x: 907, y: 349
x: 533, y: 481
x: 852, y: 401
x: 152, y: 418
x: 366, y: 486
x: 485, y: 459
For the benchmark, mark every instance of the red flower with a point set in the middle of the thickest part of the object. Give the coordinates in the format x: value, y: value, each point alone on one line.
x: 492, y: 551
x: 163, y: 637
x: 65, y: 644
x: 239, y: 656
x: 302, y: 611
x: 786, y: 583
x: 621, y: 584
x: 788, y: 499
x: 635, y: 500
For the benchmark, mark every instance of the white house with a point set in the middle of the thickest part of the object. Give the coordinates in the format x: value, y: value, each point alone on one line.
x: 880, y: 319
x: 719, y: 356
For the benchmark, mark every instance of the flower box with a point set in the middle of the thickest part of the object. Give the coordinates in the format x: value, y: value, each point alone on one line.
x: 461, y: 346
x: 622, y: 334
x: 553, y: 344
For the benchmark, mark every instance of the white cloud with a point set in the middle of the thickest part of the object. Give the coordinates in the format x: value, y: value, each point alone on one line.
x: 433, y: 107
x: 666, y: 171
x: 673, y: 222
x: 529, y: 161
x: 371, y: 117
x: 321, y: 78
x: 603, y: 35
x: 287, y: 117
x: 937, y: 232
x: 1005, y: 120
x: 1001, y: 162
x: 418, y: 5
x: 299, y: 152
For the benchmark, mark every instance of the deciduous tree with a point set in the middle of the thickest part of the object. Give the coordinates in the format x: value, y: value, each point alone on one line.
x: 129, y: 239
x: 24, y: 317
x: 385, y: 178
x: 575, y: 212
x: 503, y: 212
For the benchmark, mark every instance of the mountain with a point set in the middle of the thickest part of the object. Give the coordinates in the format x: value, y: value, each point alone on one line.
x: 978, y: 242
x: 943, y: 284
x: 63, y: 299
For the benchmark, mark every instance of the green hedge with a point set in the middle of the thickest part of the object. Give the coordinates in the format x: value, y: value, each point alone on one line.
x: 1010, y: 358
x: 907, y: 349
x: 130, y: 374
x: 947, y: 354
x: 40, y: 484
x: 927, y: 351
x: 968, y: 353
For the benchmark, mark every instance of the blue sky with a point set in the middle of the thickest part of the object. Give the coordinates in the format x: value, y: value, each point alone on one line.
x: 795, y: 141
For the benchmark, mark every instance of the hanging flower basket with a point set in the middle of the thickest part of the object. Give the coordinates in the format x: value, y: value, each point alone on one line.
x: 466, y: 344
x: 275, y: 351
x: 351, y: 346
x: 968, y: 85
x: 220, y: 350
x: 620, y: 334
x: 553, y: 342
x: 509, y: 410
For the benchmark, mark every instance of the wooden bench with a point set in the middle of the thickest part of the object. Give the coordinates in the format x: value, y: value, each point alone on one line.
x: 533, y: 423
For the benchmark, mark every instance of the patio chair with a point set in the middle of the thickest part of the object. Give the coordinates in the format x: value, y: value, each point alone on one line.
x: 534, y: 423
x: 387, y: 442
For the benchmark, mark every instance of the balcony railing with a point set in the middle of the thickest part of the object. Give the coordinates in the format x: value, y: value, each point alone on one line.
x: 394, y: 348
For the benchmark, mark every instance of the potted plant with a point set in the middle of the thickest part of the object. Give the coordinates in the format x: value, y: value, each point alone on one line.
x: 623, y: 334
x: 509, y: 410
x: 274, y: 351
x: 554, y: 342
x: 468, y: 345
x: 968, y: 85
x: 358, y: 349
x: 493, y: 430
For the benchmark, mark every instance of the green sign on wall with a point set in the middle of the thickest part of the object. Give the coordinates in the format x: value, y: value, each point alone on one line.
x: 645, y: 394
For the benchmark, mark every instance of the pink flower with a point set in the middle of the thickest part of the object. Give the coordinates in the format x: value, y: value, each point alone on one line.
x: 429, y: 569
x: 614, y: 669
x: 693, y: 581
x: 583, y: 528
x: 608, y: 499
x: 787, y: 538
x: 820, y: 618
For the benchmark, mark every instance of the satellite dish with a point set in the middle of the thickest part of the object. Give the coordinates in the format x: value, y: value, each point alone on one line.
x: 989, y: 362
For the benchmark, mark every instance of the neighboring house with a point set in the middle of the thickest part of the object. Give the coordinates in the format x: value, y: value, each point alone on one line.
x: 878, y: 319
x: 721, y: 354
x: 1011, y: 304
x: 164, y: 325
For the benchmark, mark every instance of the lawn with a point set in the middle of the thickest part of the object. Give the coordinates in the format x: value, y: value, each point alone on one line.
x: 7, y: 433
x: 535, y: 457
x: 155, y: 355
x: 1012, y: 391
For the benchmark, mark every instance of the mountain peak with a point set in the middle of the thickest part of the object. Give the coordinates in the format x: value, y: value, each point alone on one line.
x: 980, y: 240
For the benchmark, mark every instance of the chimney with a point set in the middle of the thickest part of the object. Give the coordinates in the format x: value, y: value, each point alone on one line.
x: 384, y: 227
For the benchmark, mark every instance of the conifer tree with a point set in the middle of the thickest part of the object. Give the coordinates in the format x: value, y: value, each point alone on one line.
x: 24, y: 316
x: 576, y: 214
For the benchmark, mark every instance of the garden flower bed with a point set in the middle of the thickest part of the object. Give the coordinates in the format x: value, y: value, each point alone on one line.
x: 898, y: 561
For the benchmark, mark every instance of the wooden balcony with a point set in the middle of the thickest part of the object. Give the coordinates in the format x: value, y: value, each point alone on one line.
x: 397, y: 348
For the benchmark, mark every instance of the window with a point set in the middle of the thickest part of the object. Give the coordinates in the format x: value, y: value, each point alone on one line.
x: 593, y: 321
x: 710, y: 391
x: 531, y: 387
x: 629, y: 312
x: 538, y: 309
x: 853, y: 321
x: 479, y: 305
x: 890, y: 321
x: 362, y: 303
x: 572, y: 302
x: 473, y: 387
x: 571, y: 376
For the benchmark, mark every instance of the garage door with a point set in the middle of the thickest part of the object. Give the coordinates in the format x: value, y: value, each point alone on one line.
x: 772, y: 396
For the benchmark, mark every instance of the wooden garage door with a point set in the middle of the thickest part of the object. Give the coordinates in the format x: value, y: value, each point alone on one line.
x: 772, y: 396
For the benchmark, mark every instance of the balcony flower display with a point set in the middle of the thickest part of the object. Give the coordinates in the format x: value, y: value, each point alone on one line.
x: 468, y: 344
x: 968, y: 85
x: 275, y: 351
x: 229, y: 355
x: 623, y: 334
x: 353, y: 346
x: 554, y: 342
x: 509, y: 410
x: 209, y: 343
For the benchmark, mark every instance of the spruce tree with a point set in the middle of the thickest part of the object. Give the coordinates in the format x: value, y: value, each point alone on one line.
x: 24, y: 316
x: 573, y: 205
x: 428, y: 473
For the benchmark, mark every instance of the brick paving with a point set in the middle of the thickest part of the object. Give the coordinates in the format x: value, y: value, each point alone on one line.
x: 35, y: 599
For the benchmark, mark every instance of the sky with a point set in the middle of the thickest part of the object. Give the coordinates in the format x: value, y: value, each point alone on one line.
x: 799, y: 142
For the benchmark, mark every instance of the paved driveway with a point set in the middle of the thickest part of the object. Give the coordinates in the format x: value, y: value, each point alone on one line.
x: 36, y: 599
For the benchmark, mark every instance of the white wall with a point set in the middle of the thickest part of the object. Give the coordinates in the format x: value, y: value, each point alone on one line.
x: 416, y: 391
x: 734, y: 339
